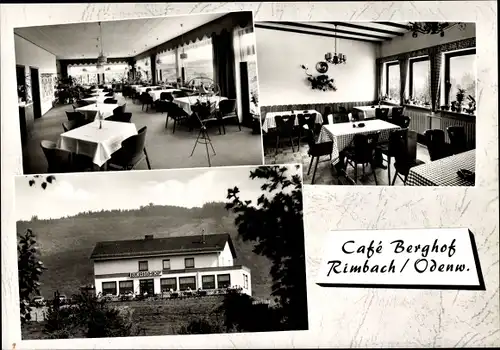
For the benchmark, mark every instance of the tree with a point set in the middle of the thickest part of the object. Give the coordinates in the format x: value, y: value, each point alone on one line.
x: 275, y: 224
x: 87, y: 317
x: 30, y: 269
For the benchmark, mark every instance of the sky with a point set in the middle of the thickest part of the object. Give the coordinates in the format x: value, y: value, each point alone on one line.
x: 71, y: 194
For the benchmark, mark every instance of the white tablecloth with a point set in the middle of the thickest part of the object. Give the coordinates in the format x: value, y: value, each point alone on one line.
x: 343, y: 133
x: 367, y: 112
x: 99, y: 144
x: 443, y: 172
x: 270, y: 121
x: 104, y: 108
x: 185, y: 102
x: 155, y: 94
x: 141, y: 89
x: 97, y: 90
x: 98, y: 97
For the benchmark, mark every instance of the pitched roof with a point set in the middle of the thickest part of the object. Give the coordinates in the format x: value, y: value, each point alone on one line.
x: 162, y: 246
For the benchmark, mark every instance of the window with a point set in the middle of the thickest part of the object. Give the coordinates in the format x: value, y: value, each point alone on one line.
x: 168, y: 284
x: 115, y: 73
x: 245, y: 281
x: 208, y: 282
x: 126, y: 287
x: 392, y: 81
x: 223, y: 281
x: 460, y: 72
x: 187, y: 282
x: 143, y: 266
x: 420, y: 83
x: 199, y: 61
x: 167, y: 69
x: 109, y: 288
x: 189, y: 263
x: 166, y: 264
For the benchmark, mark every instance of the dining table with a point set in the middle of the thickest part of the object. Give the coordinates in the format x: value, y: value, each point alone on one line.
x: 444, y: 171
x: 270, y: 120
x: 97, y: 143
x: 141, y: 89
x: 98, y: 97
x: 91, y: 110
x: 155, y: 94
x: 186, y: 102
x: 342, y: 134
x: 368, y: 112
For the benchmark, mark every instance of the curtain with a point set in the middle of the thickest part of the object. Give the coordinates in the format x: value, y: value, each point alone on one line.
x: 224, y: 59
x: 403, y: 74
x: 378, y: 80
x: 435, y: 58
x: 244, y: 51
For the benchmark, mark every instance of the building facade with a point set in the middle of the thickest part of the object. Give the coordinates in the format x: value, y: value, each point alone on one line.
x: 158, y: 265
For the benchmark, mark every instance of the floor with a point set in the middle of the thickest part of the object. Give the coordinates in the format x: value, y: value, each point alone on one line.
x: 166, y: 150
x: 325, y: 173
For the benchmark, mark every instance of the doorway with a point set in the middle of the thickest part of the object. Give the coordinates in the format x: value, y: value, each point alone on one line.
x: 35, y: 93
x: 147, y: 286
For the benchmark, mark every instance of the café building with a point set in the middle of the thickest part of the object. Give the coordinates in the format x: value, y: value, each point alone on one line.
x: 157, y: 265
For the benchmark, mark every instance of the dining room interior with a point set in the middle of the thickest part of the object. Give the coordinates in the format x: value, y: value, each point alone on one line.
x: 147, y: 93
x: 370, y: 103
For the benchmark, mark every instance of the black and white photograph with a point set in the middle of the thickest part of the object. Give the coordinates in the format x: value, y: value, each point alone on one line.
x: 142, y: 253
x: 147, y: 93
x: 370, y: 103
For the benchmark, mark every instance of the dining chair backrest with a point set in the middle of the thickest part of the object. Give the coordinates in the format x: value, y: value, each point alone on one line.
x: 435, y: 142
x: 227, y: 106
x: 326, y: 113
x: 75, y: 116
x: 177, y: 94
x: 119, y: 110
x: 166, y: 96
x: 57, y: 159
x: 125, y: 117
x: 82, y: 103
x: 395, y: 137
x: 110, y: 101
x: 397, y: 112
x: 70, y: 125
x: 134, y: 146
x: 403, y: 121
x: 382, y: 113
x: 285, y: 124
x: 148, y: 89
x: 364, y: 146
x: 307, y: 119
x: 458, y: 139
x: 342, y: 109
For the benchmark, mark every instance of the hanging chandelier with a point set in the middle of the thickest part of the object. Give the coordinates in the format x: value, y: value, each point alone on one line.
x: 335, y: 58
x: 432, y: 27
x: 183, y: 55
x: 101, y: 59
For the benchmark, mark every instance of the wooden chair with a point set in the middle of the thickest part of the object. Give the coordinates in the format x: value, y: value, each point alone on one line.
x: 285, y: 128
x: 382, y: 113
x: 363, y: 153
x: 458, y: 139
x: 403, y: 161
x: 436, y: 145
x: 316, y: 150
x: 310, y: 121
x: 389, y: 149
x: 228, y: 110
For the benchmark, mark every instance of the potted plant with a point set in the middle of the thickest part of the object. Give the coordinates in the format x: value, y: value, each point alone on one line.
x: 322, y: 82
x: 460, y: 99
x: 472, y: 105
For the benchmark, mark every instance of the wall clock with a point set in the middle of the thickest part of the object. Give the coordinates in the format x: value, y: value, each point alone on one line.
x: 322, y: 67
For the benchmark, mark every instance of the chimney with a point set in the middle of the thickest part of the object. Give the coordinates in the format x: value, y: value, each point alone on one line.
x: 148, y: 237
x: 203, y: 236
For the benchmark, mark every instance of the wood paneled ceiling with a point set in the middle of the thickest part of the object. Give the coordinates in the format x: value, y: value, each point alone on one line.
x: 125, y: 38
x: 360, y: 31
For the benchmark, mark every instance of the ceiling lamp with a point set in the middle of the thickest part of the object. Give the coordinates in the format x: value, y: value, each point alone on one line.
x: 335, y: 58
x: 432, y: 27
x: 101, y: 59
x: 183, y: 55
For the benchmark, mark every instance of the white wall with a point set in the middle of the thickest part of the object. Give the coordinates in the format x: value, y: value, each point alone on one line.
x: 282, y: 80
x: 154, y: 264
x: 225, y: 257
x: 27, y: 55
x: 407, y: 43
